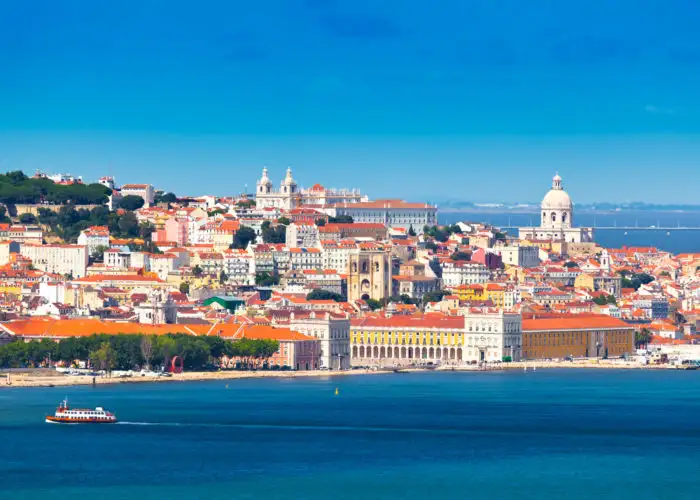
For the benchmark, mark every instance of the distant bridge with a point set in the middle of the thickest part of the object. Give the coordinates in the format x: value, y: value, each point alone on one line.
x: 646, y: 228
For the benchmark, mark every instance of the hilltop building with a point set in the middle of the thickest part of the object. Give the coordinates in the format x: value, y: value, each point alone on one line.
x: 289, y: 196
x: 557, y: 220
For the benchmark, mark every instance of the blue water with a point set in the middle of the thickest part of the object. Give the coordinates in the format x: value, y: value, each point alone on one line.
x: 675, y: 241
x: 546, y: 434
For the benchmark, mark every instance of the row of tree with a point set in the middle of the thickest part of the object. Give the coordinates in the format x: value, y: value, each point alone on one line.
x: 68, y: 221
x: 15, y: 187
x: 127, y: 351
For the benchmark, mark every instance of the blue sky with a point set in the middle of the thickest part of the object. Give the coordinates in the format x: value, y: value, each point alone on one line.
x: 476, y: 100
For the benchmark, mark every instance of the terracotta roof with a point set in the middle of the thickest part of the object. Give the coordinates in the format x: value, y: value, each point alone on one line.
x: 429, y: 320
x: 572, y: 322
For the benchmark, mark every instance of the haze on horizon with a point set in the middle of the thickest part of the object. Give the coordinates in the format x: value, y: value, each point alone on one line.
x: 475, y: 101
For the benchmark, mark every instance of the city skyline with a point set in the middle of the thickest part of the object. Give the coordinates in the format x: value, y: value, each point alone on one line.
x: 427, y: 104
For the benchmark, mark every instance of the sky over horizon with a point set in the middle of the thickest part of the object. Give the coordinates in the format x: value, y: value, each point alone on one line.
x: 477, y: 101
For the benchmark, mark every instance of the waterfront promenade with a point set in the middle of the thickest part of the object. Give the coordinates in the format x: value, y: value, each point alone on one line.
x: 50, y: 378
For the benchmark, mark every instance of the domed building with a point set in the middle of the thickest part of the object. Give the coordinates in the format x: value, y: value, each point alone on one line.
x: 557, y: 219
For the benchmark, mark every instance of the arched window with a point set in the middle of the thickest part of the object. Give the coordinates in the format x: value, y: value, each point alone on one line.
x: 554, y: 217
x: 376, y: 267
x: 364, y: 267
x: 563, y: 217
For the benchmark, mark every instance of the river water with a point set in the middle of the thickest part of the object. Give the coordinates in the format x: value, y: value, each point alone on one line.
x: 537, y: 435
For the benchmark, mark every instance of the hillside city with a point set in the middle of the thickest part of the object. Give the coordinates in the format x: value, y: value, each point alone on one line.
x: 320, y: 279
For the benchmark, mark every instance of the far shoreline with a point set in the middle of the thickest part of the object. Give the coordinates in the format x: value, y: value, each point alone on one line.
x: 29, y: 380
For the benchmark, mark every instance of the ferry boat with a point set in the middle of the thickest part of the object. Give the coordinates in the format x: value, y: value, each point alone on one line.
x: 67, y: 415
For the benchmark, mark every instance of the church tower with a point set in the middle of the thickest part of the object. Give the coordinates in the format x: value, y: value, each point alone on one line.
x: 264, y: 184
x: 288, y: 191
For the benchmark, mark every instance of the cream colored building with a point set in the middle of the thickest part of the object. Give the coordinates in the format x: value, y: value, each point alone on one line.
x: 557, y: 219
x: 369, y: 275
x: 58, y: 259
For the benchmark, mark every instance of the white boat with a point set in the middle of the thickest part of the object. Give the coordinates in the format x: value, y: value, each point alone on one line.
x: 66, y: 415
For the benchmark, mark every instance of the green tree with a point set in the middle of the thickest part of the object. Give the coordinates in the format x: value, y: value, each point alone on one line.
x: 128, y: 225
x: 434, y: 296
x: 341, y: 219
x: 166, y: 198
x: 321, y: 294
x: 27, y: 218
x: 104, y: 358
x: 223, y: 277
x: 185, y: 287
x: 430, y: 245
x: 266, y: 279
x: 131, y: 202
x: 243, y: 237
x: 197, y: 271
x: 373, y: 304
x: 320, y: 222
x: 99, y: 254
x: 411, y: 231
x: 284, y: 221
x: 463, y: 256
x: 642, y: 338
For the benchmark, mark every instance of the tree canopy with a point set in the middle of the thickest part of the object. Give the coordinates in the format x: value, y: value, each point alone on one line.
x: 15, y: 187
x: 276, y: 234
x: 341, y: 219
x: 131, y: 202
x: 127, y: 352
x: 243, y: 236
x: 321, y: 294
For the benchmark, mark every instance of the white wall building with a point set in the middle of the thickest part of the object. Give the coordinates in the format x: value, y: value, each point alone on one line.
x: 145, y: 191
x: 557, y: 219
x: 300, y: 235
x: 455, y: 273
x: 391, y: 213
x: 94, y: 237
x: 58, y: 259
x: 333, y: 332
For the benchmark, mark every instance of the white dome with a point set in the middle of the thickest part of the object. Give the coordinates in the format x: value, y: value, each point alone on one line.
x: 557, y: 198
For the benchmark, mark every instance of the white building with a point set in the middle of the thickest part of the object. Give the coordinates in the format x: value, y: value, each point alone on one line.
x: 336, y: 254
x: 58, y: 259
x: 305, y: 258
x: 391, y: 213
x: 557, y: 219
x: 239, y: 266
x: 455, y: 273
x: 289, y: 196
x: 299, y: 234
x: 493, y: 336
x: 145, y: 191
x: 94, y: 237
x: 333, y: 332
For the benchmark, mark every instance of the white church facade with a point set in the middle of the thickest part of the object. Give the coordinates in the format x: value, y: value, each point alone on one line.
x: 289, y: 196
x: 557, y: 219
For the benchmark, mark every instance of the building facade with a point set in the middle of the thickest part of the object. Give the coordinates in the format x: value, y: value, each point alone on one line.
x: 369, y: 275
x: 333, y: 334
x: 69, y: 260
x: 391, y: 213
x: 556, y: 223
x: 436, y: 338
x: 579, y: 335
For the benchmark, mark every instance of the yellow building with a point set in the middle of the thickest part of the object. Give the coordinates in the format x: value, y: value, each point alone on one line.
x: 469, y: 292
x: 435, y: 338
